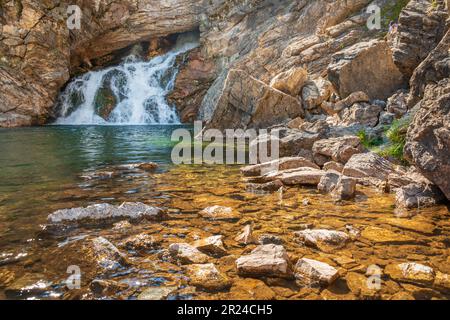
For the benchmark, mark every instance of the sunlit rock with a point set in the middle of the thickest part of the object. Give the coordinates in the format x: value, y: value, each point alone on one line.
x: 211, y: 245
x: 411, y: 272
x: 207, y: 277
x: 325, y: 240
x: 314, y: 273
x: 187, y: 254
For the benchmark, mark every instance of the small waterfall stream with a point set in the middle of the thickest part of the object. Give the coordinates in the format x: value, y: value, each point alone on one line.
x: 132, y: 93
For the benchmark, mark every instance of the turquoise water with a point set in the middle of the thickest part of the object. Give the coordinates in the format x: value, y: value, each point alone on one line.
x: 41, y: 169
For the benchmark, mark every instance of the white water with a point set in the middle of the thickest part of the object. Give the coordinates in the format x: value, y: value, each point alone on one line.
x: 139, y: 89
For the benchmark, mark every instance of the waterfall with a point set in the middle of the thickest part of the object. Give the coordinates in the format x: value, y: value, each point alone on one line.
x: 132, y: 93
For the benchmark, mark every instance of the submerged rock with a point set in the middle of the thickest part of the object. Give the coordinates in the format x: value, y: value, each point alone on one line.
x: 107, y: 287
x: 360, y: 286
x: 207, y: 277
x: 27, y: 285
x: 246, y: 237
x: 212, y: 246
x: 270, y: 186
x: 156, y: 293
x: 101, y: 213
x: 107, y: 256
x: 266, y: 260
x: 140, y: 243
x: 385, y: 236
x: 325, y: 240
x: 314, y: 273
x: 187, y: 254
x: 220, y: 213
x: 270, y: 239
x: 411, y: 272
x: 251, y: 289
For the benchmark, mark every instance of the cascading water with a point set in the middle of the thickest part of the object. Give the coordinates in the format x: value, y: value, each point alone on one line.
x: 133, y: 93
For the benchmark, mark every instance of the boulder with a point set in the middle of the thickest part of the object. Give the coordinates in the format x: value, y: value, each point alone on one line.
x: 328, y: 182
x: 368, y: 67
x: 353, y: 98
x: 313, y: 273
x: 417, y: 195
x: 397, y: 103
x: 247, y: 103
x: 411, y: 272
x: 333, y: 166
x: 298, y: 176
x: 421, y: 27
x: 187, y: 254
x: 290, y: 82
x: 361, y: 113
x: 211, y: 246
x: 220, y: 213
x: 207, y: 277
x: 315, y: 92
x: 345, y: 189
x: 266, y: 260
x: 103, y: 213
x: 339, y: 149
x: 428, y: 138
x: 279, y: 164
x: 325, y: 240
x: 369, y: 167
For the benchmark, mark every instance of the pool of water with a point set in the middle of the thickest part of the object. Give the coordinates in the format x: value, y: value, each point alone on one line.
x: 49, y: 168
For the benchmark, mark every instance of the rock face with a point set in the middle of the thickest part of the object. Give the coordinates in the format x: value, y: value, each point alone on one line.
x: 194, y: 78
x: 421, y: 27
x: 290, y: 82
x: 39, y: 52
x: 428, y: 138
x: 266, y: 260
x: 367, y: 67
x: 246, y: 103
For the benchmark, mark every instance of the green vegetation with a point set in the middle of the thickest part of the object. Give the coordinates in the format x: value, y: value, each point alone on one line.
x: 391, y: 11
x: 367, y: 141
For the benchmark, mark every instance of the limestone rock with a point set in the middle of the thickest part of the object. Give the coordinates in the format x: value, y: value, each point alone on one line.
x: 428, y: 139
x: 411, y: 272
x: 270, y: 186
x: 266, y: 260
x: 290, y: 82
x: 328, y: 182
x: 360, y: 286
x: 187, y: 254
x: 156, y: 293
x: 334, y: 166
x: 385, y: 236
x: 140, y: 243
x: 338, y: 149
x: 246, y: 102
x: 246, y: 237
x: 361, y: 113
x: 107, y: 256
x: 29, y: 284
x: 314, y: 273
x: 207, y: 277
x: 397, y: 103
x: 315, y: 92
x: 279, y: 164
x: 345, y: 189
x: 211, y: 245
x: 353, y: 98
x: 298, y: 176
x: 325, y: 240
x: 367, y: 67
x: 417, y: 196
x: 220, y: 213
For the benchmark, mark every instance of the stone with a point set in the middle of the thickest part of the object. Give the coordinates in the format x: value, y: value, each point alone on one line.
x: 290, y: 82
x: 107, y: 287
x: 107, y: 256
x: 278, y: 164
x: 411, y: 272
x: 220, y: 213
x: 6, y: 277
x: 147, y: 166
x: 361, y: 114
x: 246, y: 237
x: 442, y: 282
x: 156, y: 293
x: 266, y: 260
x: 207, y: 277
x: 315, y: 92
x: 211, y: 246
x: 314, y: 273
x: 141, y: 243
x: 248, y: 103
x: 345, y: 189
x: 270, y: 239
x: 102, y: 213
x: 270, y: 186
x: 349, y: 101
x: 428, y: 138
x: 368, y: 166
x: 333, y: 166
x: 368, y: 67
x: 298, y: 176
x: 421, y: 25
x: 385, y: 236
x: 328, y: 182
x: 27, y: 285
x: 325, y: 240
x: 295, y: 123
x: 360, y: 286
x: 187, y: 254
x: 416, y: 195
x: 397, y: 103
x: 338, y: 149
x: 413, y: 225
x: 251, y: 289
